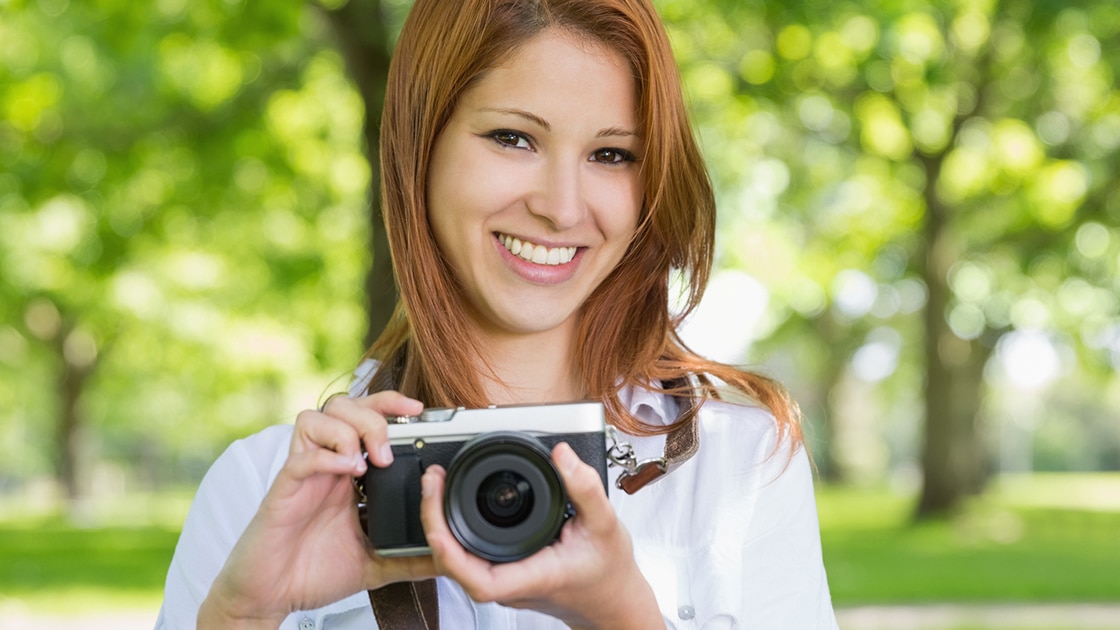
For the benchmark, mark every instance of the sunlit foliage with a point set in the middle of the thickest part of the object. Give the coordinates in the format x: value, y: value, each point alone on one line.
x: 182, y: 217
x: 183, y: 220
x: 833, y: 127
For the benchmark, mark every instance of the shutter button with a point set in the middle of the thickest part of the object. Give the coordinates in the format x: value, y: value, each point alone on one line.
x: 306, y: 624
x: 686, y: 612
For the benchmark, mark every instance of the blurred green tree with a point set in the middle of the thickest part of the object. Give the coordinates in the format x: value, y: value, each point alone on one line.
x: 364, y: 33
x: 183, y: 228
x: 914, y: 180
x: 925, y: 188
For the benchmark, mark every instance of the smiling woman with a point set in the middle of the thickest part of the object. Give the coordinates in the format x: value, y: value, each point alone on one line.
x: 541, y: 182
x: 536, y: 154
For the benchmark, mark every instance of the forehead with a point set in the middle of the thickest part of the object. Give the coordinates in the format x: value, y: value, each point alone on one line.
x: 557, y: 69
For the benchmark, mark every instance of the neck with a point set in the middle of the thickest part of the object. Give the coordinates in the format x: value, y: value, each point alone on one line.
x: 534, y: 368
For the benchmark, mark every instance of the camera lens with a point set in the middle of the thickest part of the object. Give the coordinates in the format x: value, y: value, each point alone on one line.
x: 504, y: 498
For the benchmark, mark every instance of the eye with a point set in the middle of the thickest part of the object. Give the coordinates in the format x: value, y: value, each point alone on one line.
x: 612, y: 156
x: 512, y: 139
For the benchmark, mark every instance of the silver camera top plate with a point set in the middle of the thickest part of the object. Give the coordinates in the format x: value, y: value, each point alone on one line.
x: 435, y: 414
x: 435, y: 423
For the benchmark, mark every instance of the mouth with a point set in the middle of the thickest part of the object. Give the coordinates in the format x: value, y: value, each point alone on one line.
x: 537, y: 254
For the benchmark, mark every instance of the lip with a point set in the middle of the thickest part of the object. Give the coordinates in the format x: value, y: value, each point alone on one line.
x: 538, y: 274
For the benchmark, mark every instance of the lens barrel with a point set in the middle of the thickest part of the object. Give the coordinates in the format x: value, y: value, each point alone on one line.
x: 504, y: 499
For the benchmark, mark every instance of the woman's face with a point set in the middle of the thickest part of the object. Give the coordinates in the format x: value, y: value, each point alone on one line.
x: 533, y: 191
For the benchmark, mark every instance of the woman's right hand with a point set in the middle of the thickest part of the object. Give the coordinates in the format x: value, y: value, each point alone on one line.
x: 304, y: 547
x: 587, y: 579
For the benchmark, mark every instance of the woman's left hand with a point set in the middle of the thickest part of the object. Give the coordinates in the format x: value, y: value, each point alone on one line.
x: 588, y: 578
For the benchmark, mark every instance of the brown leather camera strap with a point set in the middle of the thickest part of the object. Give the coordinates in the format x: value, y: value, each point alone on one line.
x: 680, y: 445
x: 406, y: 606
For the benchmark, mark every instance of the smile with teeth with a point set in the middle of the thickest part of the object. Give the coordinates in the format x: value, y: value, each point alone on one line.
x: 538, y: 254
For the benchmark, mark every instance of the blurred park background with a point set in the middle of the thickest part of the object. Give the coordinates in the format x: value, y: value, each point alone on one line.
x: 918, y: 235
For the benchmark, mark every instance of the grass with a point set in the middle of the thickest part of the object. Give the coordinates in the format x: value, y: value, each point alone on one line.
x: 48, y: 565
x: 51, y: 566
x: 1040, y: 538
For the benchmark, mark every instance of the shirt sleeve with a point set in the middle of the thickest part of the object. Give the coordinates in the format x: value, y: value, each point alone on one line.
x: 226, y: 501
x: 785, y: 585
x: 730, y: 539
x: 757, y: 560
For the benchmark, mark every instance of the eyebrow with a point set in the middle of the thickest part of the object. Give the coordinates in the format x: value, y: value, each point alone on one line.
x: 617, y: 131
x: 542, y: 123
x: 531, y: 117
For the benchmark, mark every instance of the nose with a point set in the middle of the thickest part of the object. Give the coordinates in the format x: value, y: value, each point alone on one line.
x: 558, y: 197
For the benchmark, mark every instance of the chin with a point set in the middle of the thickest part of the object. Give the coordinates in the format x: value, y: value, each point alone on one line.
x: 533, y: 327
x: 531, y: 323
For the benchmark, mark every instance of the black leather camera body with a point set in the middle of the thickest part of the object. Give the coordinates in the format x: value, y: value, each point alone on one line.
x: 503, y: 497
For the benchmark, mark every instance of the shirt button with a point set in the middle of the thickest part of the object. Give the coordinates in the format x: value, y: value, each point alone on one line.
x: 306, y: 624
x: 686, y: 612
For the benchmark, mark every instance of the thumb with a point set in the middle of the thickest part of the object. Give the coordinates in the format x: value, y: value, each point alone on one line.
x: 585, y: 489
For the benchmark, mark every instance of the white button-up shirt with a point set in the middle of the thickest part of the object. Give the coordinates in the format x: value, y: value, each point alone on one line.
x: 729, y: 539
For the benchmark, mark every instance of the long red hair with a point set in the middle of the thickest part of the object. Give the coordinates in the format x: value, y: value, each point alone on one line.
x: 627, y: 334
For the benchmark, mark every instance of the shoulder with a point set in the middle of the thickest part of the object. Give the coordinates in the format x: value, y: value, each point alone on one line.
x: 732, y: 424
x: 251, y: 462
x: 741, y: 422
x: 266, y: 442
x: 747, y: 442
x: 237, y: 481
x: 744, y: 418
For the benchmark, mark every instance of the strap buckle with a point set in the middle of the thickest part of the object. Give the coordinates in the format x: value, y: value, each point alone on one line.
x: 635, y: 474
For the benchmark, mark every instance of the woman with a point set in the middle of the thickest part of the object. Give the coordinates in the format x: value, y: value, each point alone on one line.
x: 540, y: 182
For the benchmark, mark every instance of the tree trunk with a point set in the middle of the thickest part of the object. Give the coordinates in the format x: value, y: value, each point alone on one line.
x: 363, y: 39
x: 953, y: 454
x: 836, y: 337
x: 72, y: 452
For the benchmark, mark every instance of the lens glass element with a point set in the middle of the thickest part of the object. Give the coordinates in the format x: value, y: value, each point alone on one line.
x: 505, y: 498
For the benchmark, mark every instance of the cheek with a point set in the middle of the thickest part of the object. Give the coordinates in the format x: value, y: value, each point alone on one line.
x: 470, y: 189
x: 619, y: 218
x: 454, y: 197
x: 441, y: 217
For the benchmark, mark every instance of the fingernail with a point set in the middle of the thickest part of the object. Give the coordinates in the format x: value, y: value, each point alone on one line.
x: 360, y: 464
x: 568, y: 458
x: 386, y: 454
x: 425, y: 485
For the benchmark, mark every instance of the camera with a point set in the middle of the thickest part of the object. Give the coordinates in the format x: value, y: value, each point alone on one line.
x: 503, y: 497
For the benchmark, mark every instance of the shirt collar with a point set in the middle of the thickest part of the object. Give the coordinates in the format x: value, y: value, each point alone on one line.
x: 652, y: 408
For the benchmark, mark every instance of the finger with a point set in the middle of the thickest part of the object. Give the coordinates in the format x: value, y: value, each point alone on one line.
x: 306, y: 464
x: 314, y: 431
x: 367, y: 416
x: 431, y: 510
x: 482, y: 580
x: 585, y: 489
x: 384, y: 404
x: 450, y: 557
x: 391, y: 403
x: 367, y: 425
